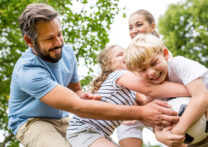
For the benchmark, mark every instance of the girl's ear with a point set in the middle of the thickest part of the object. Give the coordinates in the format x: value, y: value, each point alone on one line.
x: 28, y: 41
x: 153, y: 26
x: 166, y: 53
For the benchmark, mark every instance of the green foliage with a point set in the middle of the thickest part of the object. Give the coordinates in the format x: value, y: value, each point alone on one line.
x: 184, y: 29
x: 86, y: 27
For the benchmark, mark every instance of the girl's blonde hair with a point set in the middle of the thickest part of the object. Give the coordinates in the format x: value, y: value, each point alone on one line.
x: 104, y: 60
x: 142, y: 49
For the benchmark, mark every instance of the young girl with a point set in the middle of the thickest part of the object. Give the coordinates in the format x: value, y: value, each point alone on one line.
x: 115, y: 85
x: 148, y: 58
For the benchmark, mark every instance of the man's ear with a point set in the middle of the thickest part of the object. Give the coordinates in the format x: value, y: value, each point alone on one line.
x: 166, y: 53
x: 28, y: 41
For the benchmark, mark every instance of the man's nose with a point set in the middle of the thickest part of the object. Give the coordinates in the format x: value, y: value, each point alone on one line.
x: 58, y: 41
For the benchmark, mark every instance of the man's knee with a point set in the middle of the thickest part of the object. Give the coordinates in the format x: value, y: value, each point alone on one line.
x: 40, y: 133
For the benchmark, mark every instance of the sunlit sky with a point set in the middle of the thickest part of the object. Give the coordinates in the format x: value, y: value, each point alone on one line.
x: 119, y: 34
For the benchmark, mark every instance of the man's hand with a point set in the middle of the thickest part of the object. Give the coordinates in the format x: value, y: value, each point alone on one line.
x: 158, y: 113
x: 165, y: 136
x: 90, y: 96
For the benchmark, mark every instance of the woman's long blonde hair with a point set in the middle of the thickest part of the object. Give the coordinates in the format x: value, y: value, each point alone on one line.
x: 104, y: 60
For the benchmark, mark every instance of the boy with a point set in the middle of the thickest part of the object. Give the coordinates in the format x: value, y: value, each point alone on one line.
x: 148, y: 58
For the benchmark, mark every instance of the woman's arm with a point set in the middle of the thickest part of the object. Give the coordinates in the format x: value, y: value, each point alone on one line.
x: 196, y: 108
x: 164, y: 90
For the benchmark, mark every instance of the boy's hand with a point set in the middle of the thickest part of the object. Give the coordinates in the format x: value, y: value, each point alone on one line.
x: 165, y: 136
x: 177, y: 130
x: 90, y: 96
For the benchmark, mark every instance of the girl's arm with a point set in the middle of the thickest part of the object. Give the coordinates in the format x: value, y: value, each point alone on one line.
x: 166, y: 89
x: 196, y: 108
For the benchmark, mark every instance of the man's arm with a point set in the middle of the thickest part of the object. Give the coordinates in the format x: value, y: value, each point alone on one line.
x: 76, y: 87
x: 65, y: 99
x: 166, y: 89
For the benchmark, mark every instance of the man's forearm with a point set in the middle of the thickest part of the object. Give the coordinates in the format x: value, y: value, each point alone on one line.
x: 106, y: 111
x: 67, y: 100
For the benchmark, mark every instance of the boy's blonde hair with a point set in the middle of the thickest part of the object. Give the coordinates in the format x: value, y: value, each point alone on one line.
x: 142, y: 49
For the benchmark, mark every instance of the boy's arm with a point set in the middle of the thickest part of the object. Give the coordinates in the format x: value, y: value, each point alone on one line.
x: 196, y: 107
x: 166, y: 89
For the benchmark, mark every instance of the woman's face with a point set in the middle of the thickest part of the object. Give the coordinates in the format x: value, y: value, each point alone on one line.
x: 139, y: 24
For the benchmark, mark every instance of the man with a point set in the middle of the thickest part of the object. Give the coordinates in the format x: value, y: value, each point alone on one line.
x: 45, y: 87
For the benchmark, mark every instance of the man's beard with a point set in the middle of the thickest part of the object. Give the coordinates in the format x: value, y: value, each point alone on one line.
x: 46, y: 55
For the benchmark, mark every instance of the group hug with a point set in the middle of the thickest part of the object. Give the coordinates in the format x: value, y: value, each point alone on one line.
x: 133, y: 90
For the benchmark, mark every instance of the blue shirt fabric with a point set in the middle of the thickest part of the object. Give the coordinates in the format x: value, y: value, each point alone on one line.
x: 33, y: 78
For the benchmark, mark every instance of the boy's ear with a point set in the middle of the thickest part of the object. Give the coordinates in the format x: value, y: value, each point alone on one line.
x: 166, y: 53
x: 28, y: 41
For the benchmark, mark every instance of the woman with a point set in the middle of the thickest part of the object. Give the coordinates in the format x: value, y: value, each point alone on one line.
x: 141, y: 21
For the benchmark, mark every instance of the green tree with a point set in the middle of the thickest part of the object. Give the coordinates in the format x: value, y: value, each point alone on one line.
x: 184, y: 29
x: 86, y: 26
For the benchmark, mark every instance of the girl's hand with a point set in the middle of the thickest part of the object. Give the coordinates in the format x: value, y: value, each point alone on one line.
x: 128, y: 122
x: 90, y: 96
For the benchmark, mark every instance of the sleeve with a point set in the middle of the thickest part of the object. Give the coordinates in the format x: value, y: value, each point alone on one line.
x: 72, y: 63
x: 186, y: 70
x: 75, y: 77
x: 116, y: 75
x: 35, y: 81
